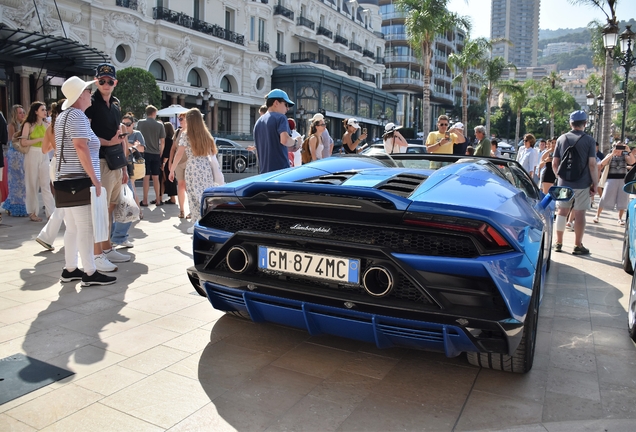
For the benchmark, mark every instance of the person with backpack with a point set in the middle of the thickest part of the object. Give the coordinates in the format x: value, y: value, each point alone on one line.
x: 613, y: 195
x: 575, y: 163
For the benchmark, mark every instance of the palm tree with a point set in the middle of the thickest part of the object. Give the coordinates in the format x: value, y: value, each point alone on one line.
x: 425, y: 20
x: 519, y: 96
x: 608, y: 7
x: 470, y: 57
x: 493, y: 70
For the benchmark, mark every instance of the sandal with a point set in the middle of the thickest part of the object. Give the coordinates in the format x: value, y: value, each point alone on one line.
x: 181, y: 215
x: 141, y: 204
x: 621, y: 222
x: 159, y: 203
x: 188, y: 216
x: 595, y: 220
x: 34, y: 218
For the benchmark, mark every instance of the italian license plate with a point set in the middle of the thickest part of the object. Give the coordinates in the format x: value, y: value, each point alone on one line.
x: 308, y: 264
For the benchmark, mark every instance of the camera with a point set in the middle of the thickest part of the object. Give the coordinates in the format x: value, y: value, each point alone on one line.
x: 620, y: 147
x: 447, y: 135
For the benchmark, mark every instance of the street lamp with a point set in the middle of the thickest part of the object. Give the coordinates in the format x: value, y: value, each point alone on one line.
x: 625, y: 58
x: 595, y: 112
x: 545, y: 123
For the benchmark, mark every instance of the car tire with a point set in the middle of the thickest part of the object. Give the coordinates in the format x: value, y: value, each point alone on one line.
x: 625, y: 261
x: 631, y: 310
x: 239, y: 165
x: 522, y: 359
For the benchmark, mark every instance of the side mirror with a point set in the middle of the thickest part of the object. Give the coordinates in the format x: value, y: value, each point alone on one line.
x: 557, y: 193
x: 630, y: 187
x: 561, y: 193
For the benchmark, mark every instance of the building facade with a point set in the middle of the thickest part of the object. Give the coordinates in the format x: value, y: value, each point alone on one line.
x: 516, y: 21
x: 226, y: 51
x: 404, y: 74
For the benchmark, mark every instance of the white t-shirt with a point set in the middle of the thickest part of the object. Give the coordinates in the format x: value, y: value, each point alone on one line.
x: 394, y: 147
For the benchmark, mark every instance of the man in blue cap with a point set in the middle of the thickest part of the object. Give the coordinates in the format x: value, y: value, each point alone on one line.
x: 584, y: 185
x: 272, y: 136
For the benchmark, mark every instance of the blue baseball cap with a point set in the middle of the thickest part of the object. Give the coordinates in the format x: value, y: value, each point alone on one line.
x: 279, y: 94
x: 578, y: 116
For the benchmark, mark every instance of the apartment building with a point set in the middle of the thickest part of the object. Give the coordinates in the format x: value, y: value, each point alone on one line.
x: 225, y: 55
x: 404, y: 73
x: 516, y: 21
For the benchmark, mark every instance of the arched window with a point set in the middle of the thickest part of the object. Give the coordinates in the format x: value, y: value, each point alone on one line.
x: 329, y: 101
x: 364, y: 110
x: 157, y: 70
x: 194, y: 79
x: 226, y: 86
x: 348, y: 105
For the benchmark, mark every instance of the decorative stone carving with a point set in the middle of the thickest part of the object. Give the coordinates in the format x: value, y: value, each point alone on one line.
x: 158, y: 40
x: 182, y: 56
x: 122, y: 27
x: 216, y: 63
x: 142, y: 7
x: 26, y: 17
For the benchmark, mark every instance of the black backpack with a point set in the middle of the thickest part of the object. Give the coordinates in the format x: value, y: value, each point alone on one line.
x: 571, y: 167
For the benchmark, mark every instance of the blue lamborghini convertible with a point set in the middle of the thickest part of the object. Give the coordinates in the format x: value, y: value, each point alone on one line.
x: 629, y: 257
x: 436, y: 252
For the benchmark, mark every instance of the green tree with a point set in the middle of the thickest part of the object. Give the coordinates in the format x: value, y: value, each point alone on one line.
x: 474, y: 52
x: 519, y: 96
x: 424, y: 21
x: 492, y: 71
x: 136, y: 89
x: 608, y: 7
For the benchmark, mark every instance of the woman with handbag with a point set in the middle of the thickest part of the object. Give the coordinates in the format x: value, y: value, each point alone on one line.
x: 77, y: 156
x: 203, y: 170
x: 14, y: 203
x: 36, y: 164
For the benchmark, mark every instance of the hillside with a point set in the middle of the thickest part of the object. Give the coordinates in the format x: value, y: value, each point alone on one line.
x: 552, y: 34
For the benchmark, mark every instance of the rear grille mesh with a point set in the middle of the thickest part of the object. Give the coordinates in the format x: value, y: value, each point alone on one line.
x: 396, y: 239
x: 403, y: 184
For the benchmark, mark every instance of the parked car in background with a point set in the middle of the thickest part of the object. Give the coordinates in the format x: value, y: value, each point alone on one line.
x: 379, y: 149
x: 236, y: 158
x: 436, y: 252
x: 508, y: 151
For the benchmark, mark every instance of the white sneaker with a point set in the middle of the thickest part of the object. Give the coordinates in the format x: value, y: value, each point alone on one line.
x: 125, y: 244
x: 103, y: 265
x: 116, y: 257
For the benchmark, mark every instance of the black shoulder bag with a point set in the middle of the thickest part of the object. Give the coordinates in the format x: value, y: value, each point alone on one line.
x: 72, y: 192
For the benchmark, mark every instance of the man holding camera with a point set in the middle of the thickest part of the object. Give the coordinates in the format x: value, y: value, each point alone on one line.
x: 442, y: 141
x: 584, y: 186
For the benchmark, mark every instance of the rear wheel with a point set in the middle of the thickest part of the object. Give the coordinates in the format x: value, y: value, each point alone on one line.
x: 240, y: 164
x: 521, y: 360
x: 625, y: 261
x: 631, y: 310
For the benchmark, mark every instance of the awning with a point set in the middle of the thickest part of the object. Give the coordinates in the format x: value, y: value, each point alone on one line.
x: 54, y: 53
x: 360, y: 119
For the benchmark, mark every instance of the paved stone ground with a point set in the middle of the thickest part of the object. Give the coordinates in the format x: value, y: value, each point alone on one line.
x: 149, y: 355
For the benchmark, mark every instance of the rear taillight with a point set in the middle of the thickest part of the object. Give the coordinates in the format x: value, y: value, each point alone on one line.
x: 488, y: 237
x: 212, y: 203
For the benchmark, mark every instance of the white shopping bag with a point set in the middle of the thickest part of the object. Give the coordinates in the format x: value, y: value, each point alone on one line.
x: 99, y: 211
x: 127, y: 209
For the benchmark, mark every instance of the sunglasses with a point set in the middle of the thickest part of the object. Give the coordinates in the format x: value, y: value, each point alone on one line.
x: 109, y: 82
x: 127, y: 124
x: 443, y: 124
x: 181, y: 118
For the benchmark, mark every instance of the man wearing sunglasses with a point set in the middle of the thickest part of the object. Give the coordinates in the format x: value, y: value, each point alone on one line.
x: 443, y: 140
x: 105, y: 117
x: 272, y: 135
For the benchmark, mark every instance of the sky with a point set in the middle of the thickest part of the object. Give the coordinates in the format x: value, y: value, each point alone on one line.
x: 555, y: 14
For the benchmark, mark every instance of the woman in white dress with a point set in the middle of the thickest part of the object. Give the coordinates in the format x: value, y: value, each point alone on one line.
x: 202, y: 169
